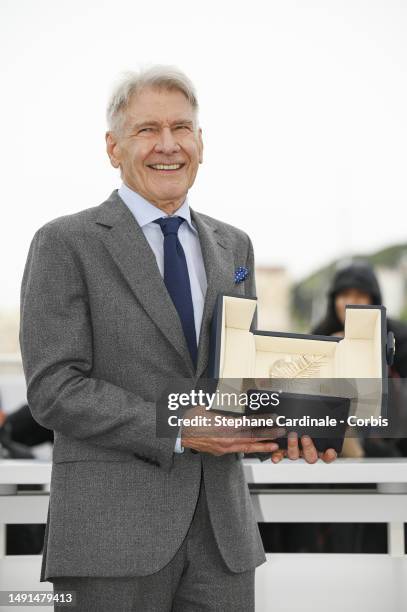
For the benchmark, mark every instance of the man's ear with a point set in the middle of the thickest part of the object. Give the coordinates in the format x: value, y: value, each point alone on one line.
x: 200, y: 144
x: 112, y: 149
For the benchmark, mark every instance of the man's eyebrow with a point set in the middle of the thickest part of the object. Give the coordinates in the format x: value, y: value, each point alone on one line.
x: 182, y: 122
x: 153, y: 123
x: 140, y: 124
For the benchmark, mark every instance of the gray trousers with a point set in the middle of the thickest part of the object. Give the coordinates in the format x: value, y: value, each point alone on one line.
x: 195, y: 580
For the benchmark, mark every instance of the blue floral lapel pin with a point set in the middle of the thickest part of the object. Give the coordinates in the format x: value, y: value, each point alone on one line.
x: 241, y: 274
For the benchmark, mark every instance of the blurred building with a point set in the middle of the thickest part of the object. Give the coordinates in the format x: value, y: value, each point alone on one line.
x: 12, y: 384
x: 10, y: 356
x: 392, y: 282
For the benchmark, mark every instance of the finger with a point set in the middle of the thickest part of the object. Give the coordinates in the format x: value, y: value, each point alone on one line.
x: 329, y: 455
x: 277, y: 456
x: 258, y: 447
x: 243, y: 441
x: 293, y: 451
x: 308, y: 450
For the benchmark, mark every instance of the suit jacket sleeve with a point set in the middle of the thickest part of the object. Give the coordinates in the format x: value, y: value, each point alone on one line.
x: 250, y: 291
x: 57, y: 350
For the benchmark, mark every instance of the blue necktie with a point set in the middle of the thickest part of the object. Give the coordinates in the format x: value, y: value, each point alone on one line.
x: 176, y: 279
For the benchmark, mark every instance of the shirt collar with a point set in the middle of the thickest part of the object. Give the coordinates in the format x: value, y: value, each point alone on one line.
x: 144, y: 212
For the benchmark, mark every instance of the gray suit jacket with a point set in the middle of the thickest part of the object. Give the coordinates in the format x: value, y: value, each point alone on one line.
x: 100, y: 337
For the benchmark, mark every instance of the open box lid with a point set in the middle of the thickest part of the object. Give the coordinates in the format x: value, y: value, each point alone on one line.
x: 240, y: 352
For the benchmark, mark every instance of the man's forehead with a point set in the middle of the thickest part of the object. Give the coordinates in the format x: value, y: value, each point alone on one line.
x: 152, y: 101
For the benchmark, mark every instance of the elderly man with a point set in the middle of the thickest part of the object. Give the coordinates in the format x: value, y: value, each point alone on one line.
x: 116, y: 300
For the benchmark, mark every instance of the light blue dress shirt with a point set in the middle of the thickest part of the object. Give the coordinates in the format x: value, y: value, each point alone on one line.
x: 145, y: 214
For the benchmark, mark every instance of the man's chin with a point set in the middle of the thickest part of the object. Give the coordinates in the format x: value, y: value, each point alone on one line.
x: 169, y: 195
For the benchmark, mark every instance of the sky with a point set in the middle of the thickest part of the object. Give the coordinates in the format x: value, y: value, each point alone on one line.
x: 303, y: 111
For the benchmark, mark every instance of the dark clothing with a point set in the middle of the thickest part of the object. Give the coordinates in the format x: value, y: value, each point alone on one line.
x: 25, y: 430
x: 399, y: 330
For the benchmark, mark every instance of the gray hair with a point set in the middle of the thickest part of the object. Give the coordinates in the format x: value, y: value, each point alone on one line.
x: 166, y: 77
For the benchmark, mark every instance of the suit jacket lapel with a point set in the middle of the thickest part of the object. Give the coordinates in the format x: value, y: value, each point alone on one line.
x: 218, y: 260
x: 136, y: 261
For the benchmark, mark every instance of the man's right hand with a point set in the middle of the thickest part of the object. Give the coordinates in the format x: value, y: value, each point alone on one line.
x: 220, y: 440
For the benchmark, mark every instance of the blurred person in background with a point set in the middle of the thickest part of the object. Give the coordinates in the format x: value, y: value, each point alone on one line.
x: 357, y: 284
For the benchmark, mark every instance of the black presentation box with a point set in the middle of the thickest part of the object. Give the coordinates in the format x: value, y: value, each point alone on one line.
x: 315, y: 375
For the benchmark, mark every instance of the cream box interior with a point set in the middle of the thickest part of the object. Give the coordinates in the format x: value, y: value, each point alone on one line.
x: 358, y: 359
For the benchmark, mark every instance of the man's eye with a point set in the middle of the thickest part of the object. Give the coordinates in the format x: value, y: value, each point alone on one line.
x: 182, y: 127
x: 146, y: 129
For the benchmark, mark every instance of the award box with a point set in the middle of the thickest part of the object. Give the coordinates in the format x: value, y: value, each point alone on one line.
x: 320, y: 375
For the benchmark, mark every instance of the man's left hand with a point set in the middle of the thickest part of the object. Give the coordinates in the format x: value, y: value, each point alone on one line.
x: 308, y: 452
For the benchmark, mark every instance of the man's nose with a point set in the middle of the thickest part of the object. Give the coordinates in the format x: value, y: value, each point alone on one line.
x: 166, y: 143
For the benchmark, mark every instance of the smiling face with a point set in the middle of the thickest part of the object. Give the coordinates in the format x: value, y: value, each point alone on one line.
x: 159, y: 147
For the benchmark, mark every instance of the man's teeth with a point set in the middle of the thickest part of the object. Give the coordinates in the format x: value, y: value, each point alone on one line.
x: 166, y: 166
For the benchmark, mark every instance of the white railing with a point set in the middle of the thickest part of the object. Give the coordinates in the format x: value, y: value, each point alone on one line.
x: 287, y: 582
